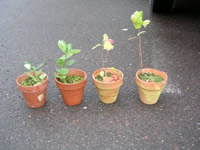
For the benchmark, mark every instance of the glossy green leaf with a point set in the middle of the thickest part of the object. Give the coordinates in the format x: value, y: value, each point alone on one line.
x: 61, y: 61
x: 62, y: 71
x: 62, y: 45
x: 70, y: 62
x: 75, y: 51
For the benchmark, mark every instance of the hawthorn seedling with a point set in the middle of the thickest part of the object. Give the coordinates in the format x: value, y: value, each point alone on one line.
x: 37, y: 77
x: 64, y: 61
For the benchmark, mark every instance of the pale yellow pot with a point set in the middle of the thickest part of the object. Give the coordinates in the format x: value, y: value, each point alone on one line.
x: 150, y: 91
x: 108, y: 92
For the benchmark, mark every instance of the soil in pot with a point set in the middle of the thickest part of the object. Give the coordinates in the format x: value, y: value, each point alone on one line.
x: 108, y: 82
x: 72, y: 87
x: 150, y: 83
x: 33, y: 92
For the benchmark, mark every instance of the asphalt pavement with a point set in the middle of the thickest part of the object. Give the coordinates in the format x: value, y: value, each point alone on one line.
x: 29, y: 30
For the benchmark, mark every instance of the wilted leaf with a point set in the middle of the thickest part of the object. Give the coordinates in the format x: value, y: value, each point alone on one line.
x: 105, y: 37
x: 108, y: 46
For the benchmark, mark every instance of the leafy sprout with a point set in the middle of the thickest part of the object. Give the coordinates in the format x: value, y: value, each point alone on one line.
x: 63, y: 62
x: 138, y: 23
x: 107, y: 45
x: 35, y: 76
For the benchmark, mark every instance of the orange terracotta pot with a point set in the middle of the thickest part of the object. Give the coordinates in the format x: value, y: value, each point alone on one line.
x: 150, y: 91
x: 35, y: 96
x: 72, y: 94
x: 108, y: 92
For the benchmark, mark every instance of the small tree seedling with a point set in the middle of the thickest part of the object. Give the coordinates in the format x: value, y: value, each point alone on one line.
x: 63, y: 63
x: 138, y: 23
x: 106, y: 45
x: 35, y: 74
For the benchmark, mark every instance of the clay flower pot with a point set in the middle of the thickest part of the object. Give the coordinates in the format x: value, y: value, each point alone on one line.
x: 35, y: 96
x: 150, y: 91
x: 107, y: 91
x: 72, y: 94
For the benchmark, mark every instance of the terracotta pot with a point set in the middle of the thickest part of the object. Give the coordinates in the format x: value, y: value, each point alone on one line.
x: 150, y: 91
x: 72, y: 94
x: 108, y: 92
x: 35, y: 96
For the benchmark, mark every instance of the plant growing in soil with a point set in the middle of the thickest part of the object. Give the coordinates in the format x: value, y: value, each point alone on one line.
x: 106, y: 46
x: 35, y: 76
x: 138, y: 24
x: 63, y: 63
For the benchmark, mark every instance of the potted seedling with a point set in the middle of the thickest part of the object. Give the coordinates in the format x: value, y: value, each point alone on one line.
x: 33, y: 85
x: 71, y: 82
x: 150, y: 81
x: 107, y: 79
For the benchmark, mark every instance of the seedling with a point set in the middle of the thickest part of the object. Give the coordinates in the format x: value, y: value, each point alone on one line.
x: 35, y: 76
x: 63, y: 63
x: 106, y: 45
x: 138, y: 24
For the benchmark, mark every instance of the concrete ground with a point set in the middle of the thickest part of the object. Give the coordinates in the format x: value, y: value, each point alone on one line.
x: 29, y: 30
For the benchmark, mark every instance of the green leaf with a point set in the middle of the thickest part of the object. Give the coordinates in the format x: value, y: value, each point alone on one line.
x: 69, y: 55
x: 137, y: 19
x: 61, y: 61
x: 38, y: 73
x: 39, y: 66
x: 62, y: 45
x: 27, y: 66
x: 43, y: 76
x: 69, y: 47
x: 70, y: 62
x: 33, y: 77
x: 146, y: 22
x: 142, y: 32
x: 33, y: 68
x: 26, y: 62
x: 62, y: 71
x: 96, y: 46
x: 75, y: 51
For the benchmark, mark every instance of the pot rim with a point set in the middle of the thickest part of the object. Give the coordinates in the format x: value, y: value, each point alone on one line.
x: 107, y: 83
x: 164, y: 73
x: 17, y: 80
x: 85, y: 78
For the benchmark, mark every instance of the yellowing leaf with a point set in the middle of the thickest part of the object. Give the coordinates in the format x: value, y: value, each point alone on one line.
x: 105, y: 37
x: 108, y: 46
x: 146, y: 22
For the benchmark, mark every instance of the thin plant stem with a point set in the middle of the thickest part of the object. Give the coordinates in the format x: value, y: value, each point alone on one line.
x: 102, y: 57
x: 140, y: 52
x: 106, y: 58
